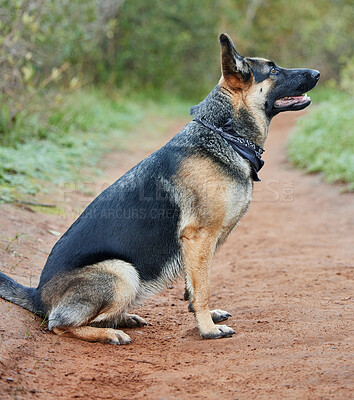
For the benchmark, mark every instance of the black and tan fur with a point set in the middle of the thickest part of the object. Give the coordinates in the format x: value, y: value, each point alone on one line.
x: 165, y: 217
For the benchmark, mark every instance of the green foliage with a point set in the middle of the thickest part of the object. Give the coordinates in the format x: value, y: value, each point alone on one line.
x: 323, y: 140
x: 347, y: 75
x: 55, y: 144
x: 170, y: 45
x: 315, y: 34
x: 73, y: 132
x: 40, y: 39
x: 159, y: 49
x: 60, y: 117
x: 137, y: 44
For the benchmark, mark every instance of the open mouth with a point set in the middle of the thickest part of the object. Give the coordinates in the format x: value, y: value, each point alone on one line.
x: 292, y: 101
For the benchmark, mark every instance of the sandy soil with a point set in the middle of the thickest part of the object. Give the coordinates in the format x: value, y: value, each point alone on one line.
x: 285, y: 274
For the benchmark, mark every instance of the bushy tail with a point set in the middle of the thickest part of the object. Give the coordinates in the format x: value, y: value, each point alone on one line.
x: 21, y: 295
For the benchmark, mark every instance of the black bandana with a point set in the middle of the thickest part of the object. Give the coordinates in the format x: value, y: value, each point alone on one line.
x: 244, y: 147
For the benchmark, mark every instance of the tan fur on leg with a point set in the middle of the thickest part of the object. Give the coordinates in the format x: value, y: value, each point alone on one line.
x: 198, y: 248
x: 91, y: 334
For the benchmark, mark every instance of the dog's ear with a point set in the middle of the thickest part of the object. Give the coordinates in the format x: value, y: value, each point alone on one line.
x: 235, y: 68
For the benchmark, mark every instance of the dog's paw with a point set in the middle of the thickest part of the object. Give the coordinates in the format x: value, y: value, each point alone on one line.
x: 117, y: 337
x: 219, y: 315
x: 219, y: 331
x: 132, y: 321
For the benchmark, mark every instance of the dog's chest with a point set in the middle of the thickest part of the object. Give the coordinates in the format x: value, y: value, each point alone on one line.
x: 210, y: 198
x: 237, y: 202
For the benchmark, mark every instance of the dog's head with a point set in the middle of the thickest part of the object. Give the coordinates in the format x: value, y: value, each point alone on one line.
x: 261, y: 85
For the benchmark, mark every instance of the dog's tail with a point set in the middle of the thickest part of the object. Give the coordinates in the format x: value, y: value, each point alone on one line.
x: 23, y: 296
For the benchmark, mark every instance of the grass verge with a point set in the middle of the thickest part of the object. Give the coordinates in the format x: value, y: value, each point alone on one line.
x: 57, y: 135
x: 323, y: 141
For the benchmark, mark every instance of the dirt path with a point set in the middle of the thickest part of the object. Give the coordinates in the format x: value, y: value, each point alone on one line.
x: 285, y: 274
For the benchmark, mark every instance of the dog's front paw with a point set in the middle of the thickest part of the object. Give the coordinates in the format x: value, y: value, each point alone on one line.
x: 219, y: 315
x: 219, y: 331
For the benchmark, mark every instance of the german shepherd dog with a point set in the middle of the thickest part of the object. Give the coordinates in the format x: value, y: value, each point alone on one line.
x: 166, y: 217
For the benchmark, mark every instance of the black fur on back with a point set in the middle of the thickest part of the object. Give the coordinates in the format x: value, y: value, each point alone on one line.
x: 133, y: 220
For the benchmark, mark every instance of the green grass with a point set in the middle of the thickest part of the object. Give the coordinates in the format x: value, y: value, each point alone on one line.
x: 323, y: 141
x: 57, y: 135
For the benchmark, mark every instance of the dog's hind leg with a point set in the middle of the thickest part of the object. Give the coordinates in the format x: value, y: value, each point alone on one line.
x: 198, y: 246
x: 92, y: 334
x: 88, y: 303
x: 123, y: 321
x: 131, y: 321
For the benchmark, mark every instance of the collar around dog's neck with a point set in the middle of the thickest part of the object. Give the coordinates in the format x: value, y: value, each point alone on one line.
x: 244, y: 147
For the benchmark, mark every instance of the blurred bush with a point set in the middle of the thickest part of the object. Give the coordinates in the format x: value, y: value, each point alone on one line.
x: 347, y: 75
x: 314, y: 33
x: 323, y: 140
x: 139, y: 44
x: 42, y: 39
x: 170, y: 45
x: 147, y: 48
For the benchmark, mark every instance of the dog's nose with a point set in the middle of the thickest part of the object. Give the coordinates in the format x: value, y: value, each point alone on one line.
x: 315, y: 74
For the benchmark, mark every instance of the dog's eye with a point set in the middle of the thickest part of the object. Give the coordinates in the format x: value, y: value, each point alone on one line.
x: 273, y: 70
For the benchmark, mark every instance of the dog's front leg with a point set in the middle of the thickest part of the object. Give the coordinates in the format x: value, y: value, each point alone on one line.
x: 216, y: 315
x: 198, y: 246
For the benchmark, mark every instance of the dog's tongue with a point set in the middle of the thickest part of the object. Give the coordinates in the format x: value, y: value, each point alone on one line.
x: 290, y: 101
